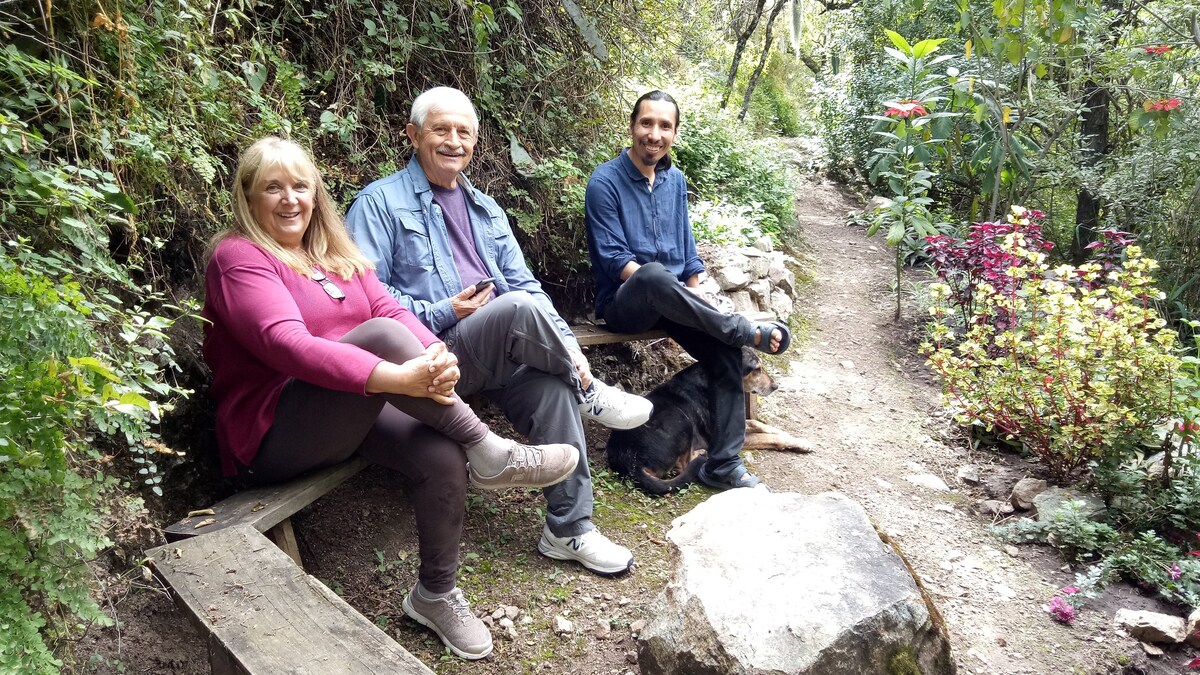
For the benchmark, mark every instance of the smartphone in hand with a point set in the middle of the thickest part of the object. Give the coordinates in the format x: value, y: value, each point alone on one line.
x: 483, y: 284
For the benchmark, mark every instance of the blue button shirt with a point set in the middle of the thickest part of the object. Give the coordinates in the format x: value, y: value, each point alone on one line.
x: 626, y: 220
x: 401, y: 230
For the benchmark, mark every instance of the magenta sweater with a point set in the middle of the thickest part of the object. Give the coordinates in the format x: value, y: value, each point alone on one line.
x: 269, y: 324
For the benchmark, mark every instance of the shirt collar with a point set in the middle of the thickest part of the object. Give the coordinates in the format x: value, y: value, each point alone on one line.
x: 421, y: 182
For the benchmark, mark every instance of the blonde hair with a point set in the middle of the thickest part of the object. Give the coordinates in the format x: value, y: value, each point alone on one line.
x: 326, y: 241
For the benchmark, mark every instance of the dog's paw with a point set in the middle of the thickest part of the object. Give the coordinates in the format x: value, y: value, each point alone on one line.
x: 802, y: 445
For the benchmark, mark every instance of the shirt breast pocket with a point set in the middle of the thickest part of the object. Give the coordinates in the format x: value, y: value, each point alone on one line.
x: 413, y: 245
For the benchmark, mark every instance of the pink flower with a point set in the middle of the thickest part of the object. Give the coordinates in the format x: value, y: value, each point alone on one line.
x: 1158, y: 50
x: 1070, y: 590
x: 1174, y: 572
x: 1061, y: 611
x: 1194, y: 663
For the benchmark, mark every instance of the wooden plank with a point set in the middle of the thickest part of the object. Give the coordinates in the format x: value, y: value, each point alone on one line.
x: 588, y: 335
x: 268, y: 617
x: 265, y: 507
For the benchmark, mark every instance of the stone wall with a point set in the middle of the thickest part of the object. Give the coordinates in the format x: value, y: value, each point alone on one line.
x: 754, y: 279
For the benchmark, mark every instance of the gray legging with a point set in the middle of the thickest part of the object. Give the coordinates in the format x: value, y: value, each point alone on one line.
x: 423, y: 440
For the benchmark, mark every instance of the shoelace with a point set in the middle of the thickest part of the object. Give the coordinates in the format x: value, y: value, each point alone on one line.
x: 523, y: 456
x: 460, y: 606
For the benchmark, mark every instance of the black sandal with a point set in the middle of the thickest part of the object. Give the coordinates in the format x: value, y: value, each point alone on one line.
x: 761, y: 339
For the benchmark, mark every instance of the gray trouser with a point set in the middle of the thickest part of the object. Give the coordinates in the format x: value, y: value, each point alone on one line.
x: 512, y: 352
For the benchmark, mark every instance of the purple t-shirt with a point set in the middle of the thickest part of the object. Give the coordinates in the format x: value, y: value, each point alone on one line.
x: 462, y: 240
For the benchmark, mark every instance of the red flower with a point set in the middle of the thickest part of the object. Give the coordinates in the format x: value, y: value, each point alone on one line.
x: 1194, y: 663
x: 906, y: 109
x: 1165, y: 105
x: 1159, y: 50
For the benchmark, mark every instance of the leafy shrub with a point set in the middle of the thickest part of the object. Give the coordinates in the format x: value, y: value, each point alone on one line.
x: 724, y: 223
x: 66, y: 378
x: 964, y: 264
x: 724, y: 164
x: 1073, y: 363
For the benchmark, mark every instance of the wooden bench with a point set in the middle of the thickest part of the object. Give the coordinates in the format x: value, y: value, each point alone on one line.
x: 264, y: 615
x: 593, y: 334
x: 268, y: 509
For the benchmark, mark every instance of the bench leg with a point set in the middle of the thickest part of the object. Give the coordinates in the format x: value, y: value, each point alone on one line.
x: 751, y: 406
x: 285, y: 538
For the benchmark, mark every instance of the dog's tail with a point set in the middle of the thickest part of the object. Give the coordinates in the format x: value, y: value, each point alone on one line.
x: 658, y: 487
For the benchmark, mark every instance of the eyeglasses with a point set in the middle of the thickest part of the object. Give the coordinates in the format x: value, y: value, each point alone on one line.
x: 330, y: 287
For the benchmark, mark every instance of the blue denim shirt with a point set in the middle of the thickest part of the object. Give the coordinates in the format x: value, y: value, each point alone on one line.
x: 399, y: 228
x: 626, y: 220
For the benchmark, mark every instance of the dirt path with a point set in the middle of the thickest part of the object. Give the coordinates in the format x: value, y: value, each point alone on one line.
x: 858, y: 389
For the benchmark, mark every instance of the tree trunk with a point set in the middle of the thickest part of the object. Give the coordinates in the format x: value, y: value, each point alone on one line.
x: 1093, y: 136
x: 762, y: 59
x: 741, y: 47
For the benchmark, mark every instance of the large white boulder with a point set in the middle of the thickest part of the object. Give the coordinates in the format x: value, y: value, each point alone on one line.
x: 786, y: 583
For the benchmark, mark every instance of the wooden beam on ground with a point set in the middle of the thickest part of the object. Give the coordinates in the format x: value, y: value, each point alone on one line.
x: 266, y: 616
x: 264, y: 508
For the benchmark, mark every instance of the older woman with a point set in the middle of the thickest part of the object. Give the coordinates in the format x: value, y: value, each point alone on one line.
x: 314, y: 361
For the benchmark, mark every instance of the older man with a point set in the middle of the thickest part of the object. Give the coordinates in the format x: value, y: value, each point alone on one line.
x: 446, y: 251
x: 647, y: 276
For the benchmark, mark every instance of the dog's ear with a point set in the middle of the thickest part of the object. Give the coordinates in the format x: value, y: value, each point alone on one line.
x: 750, y: 360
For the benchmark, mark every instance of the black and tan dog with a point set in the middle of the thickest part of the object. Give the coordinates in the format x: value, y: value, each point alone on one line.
x: 676, y: 436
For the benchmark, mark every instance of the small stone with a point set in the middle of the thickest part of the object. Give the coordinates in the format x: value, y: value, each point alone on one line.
x: 928, y: 480
x: 637, y: 626
x: 506, y: 622
x: 603, y: 629
x: 510, y: 633
x: 511, y: 612
x: 562, y: 626
x: 947, y: 508
x: 630, y: 657
x: 607, y: 597
x: 1025, y: 490
x: 526, y: 620
x: 1151, y: 650
x: 883, y: 484
x: 498, y: 613
x: 995, y: 507
x: 969, y: 474
x: 587, y: 600
x: 624, y: 601
x: 488, y: 621
x: 1012, y: 550
x: 847, y: 364
x: 1193, y: 628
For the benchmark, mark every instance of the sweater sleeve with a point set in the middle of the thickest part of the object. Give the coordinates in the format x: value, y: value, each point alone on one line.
x: 256, y: 308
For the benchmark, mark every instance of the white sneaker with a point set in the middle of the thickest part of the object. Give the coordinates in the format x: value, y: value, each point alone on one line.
x: 614, y: 408
x: 591, y: 549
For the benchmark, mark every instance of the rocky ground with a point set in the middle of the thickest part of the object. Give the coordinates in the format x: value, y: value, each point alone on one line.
x: 852, y: 384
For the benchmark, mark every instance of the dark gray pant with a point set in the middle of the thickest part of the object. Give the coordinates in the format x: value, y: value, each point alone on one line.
x: 653, y: 298
x: 512, y: 352
x: 421, y: 439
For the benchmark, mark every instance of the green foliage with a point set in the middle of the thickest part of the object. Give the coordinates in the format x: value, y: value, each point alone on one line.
x: 1075, y: 364
x: 56, y: 394
x: 724, y: 164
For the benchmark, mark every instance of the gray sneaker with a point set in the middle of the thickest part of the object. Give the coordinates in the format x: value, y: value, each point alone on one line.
x: 451, y: 618
x: 531, y: 466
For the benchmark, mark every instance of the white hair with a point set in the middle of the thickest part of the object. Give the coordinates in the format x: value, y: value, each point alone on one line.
x: 444, y: 99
